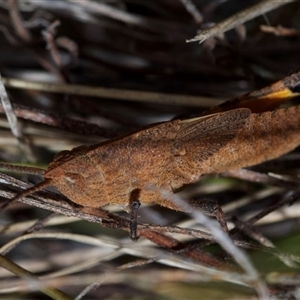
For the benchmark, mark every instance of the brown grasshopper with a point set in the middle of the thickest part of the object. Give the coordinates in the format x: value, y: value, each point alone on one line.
x: 171, y: 154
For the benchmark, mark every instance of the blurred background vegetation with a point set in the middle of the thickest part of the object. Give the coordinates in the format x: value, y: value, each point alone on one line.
x: 133, y: 67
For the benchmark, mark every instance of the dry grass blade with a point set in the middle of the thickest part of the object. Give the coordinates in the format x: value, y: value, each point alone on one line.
x: 14, y: 124
x: 32, y: 281
x: 126, y: 95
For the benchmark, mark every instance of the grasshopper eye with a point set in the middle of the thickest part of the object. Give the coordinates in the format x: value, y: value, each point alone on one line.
x: 61, y: 154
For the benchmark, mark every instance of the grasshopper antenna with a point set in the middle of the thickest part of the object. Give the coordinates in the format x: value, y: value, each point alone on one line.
x: 28, y: 170
x: 25, y: 193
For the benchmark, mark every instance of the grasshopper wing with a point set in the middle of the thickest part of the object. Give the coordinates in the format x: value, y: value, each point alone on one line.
x: 199, y: 138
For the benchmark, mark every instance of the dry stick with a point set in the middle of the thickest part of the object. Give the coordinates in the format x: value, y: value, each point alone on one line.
x: 32, y: 280
x: 253, y: 233
x: 177, y: 247
x: 55, y: 120
x: 239, y: 18
x: 49, y: 36
x: 9, y: 36
x: 28, y: 170
x: 17, y: 22
x: 279, y: 30
x: 40, y: 223
x: 28, y: 191
x: 14, y: 124
x: 120, y: 94
x: 22, y: 169
x: 295, y: 195
x: 253, y: 176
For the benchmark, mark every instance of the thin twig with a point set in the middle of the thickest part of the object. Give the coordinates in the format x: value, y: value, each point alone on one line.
x: 17, y: 22
x: 252, y: 176
x: 40, y: 223
x: 290, y: 199
x: 279, y: 30
x: 238, y: 18
x: 49, y: 36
